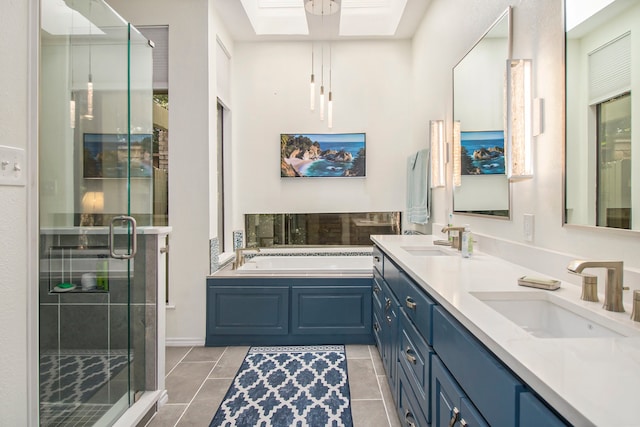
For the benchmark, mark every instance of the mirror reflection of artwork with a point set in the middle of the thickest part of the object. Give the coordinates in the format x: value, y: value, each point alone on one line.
x: 323, y: 155
x: 482, y: 152
x: 108, y: 156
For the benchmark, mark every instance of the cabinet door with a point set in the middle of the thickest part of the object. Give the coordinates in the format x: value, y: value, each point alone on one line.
x: 334, y: 310
x: 534, y: 413
x: 390, y: 325
x: 247, y: 310
x: 445, y: 397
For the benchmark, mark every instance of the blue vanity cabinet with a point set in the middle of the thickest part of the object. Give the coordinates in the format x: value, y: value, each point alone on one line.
x: 443, y: 374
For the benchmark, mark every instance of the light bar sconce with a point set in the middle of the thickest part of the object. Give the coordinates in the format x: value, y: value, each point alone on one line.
x: 520, y: 125
x: 437, y: 154
x: 457, y: 155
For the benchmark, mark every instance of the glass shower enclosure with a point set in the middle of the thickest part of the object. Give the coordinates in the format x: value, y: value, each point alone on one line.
x: 95, y: 184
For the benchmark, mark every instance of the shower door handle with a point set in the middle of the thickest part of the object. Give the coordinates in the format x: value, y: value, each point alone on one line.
x: 134, y: 238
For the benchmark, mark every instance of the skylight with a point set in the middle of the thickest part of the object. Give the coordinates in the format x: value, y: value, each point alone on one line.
x: 357, y: 17
x: 371, y: 17
x: 276, y: 16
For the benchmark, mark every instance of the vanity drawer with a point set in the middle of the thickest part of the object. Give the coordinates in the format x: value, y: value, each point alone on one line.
x: 415, y: 359
x: 378, y: 260
x: 492, y: 388
x: 417, y: 305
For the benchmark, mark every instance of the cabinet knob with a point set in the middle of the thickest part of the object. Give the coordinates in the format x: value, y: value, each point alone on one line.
x: 411, y: 304
x: 387, y: 304
x: 454, y: 417
x: 376, y: 327
x: 376, y: 258
x: 376, y: 289
x: 389, y: 320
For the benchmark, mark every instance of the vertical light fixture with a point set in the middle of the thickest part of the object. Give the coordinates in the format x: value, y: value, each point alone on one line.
x: 519, y: 127
x: 72, y: 100
x: 330, y: 103
x: 437, y: 153
x: 312, y: 87
x: 457, y: 155
x: 322, y: 85
x: 89, y: 115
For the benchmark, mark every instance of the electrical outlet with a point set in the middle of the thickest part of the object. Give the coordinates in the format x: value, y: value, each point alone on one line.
x: 528, y: 224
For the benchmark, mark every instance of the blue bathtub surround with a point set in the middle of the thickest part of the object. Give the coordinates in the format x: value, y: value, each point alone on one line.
x: 214, y: 255
x: 238, y: 239
x: 278, y: 386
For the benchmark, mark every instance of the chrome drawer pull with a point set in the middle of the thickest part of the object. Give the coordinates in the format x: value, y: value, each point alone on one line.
x: 376, y: 258
x: 454, y: 417
x: 411, y: 304
x: 463, y: 423
x: 411, y: 358
x: 376, y: 327
x: 376, y: 289
x: 409, y: 419
x: 387, y: 304
x: 389, y: 320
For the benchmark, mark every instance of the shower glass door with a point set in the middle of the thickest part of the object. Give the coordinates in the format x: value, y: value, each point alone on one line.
x: 95, y: 138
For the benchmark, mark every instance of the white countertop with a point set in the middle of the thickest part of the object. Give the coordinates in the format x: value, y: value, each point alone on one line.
x: 590, y: 381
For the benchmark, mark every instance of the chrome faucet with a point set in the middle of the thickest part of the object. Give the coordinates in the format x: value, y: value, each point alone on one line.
x: 456, y: 238
x: 239, y: 261
x: 612, y: 286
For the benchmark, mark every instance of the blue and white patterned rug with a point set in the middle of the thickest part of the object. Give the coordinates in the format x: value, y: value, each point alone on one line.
x: 288, y: 386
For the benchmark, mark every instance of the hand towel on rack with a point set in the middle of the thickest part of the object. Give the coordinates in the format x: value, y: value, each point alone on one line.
x: 418, y: 187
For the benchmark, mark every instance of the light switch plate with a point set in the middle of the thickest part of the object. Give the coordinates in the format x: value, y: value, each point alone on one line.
x: 12, y: 166
x: 528, y: 225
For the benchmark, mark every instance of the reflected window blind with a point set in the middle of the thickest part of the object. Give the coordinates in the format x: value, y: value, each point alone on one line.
x: 159, y: 35
x: 610, y: 70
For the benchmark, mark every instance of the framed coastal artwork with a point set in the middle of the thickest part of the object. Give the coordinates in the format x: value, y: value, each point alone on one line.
x: 482, y: 152
x: 106, y: 155
x: 311, y: 155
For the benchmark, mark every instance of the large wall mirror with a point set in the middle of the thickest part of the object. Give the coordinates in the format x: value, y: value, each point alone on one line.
x: 602, y: 151
x: 479, y: 109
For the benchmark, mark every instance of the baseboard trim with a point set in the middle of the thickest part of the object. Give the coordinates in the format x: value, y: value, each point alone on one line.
x: 184, y: 342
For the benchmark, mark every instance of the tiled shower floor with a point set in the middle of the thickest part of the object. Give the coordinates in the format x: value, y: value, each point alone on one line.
x: 198, y: 378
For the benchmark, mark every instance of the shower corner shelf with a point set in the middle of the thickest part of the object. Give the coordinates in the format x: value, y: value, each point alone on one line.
x: 66, y: 265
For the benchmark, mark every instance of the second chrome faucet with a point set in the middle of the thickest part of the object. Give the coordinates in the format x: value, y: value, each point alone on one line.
x: 612, y: 287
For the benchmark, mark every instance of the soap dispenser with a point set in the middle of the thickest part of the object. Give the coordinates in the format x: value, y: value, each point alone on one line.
x: 467, y: 242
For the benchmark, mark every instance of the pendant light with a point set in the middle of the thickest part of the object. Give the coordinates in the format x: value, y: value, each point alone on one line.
x: 322, y: 87
x: 312, y: 87
x: 89, y: 115
x: 330, y: 104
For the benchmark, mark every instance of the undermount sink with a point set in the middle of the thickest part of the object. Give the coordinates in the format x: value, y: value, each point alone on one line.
x: 545, y: 315
x: 426, y: 251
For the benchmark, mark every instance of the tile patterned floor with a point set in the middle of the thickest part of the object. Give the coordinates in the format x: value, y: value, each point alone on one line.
x: 198, y: 378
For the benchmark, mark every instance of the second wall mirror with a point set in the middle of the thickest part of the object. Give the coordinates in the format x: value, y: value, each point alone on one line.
x: 479, y: 111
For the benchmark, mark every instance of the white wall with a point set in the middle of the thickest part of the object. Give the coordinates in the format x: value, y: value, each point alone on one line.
x: 14, y: 278
x: 192, y: 135
x: 371, y: 82
x: 538, y: 34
